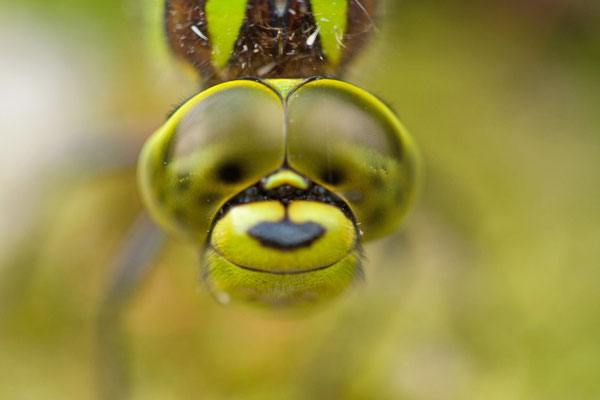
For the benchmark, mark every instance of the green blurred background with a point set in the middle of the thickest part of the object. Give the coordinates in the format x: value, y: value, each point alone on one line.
x: 489, y: 291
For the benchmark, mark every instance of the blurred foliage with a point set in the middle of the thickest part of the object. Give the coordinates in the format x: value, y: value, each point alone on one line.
x: 489, y: 291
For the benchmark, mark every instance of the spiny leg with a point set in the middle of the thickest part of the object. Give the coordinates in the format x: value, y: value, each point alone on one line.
x: 133, y: 264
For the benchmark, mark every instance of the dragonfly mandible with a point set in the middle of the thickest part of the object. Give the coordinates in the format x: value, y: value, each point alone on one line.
x: 278, y: 170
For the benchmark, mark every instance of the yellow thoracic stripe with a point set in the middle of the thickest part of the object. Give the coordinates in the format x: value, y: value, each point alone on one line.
x: 331, y: 18
x: 224, y: 21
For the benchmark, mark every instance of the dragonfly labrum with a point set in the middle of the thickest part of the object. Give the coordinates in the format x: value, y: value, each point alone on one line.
x: 278, y: 170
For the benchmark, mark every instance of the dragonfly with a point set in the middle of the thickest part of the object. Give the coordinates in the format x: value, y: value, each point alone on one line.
x: 277, y: 171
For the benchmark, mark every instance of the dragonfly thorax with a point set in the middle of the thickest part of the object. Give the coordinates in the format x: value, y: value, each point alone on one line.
x: 228, y: 39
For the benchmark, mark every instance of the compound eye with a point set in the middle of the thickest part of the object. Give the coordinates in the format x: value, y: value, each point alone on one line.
x: 350, y: 142
x: 218, y: 143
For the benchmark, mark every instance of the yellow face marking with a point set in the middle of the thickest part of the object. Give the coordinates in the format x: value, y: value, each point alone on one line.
x: 228, y: 283
x: 231, y: 237
x: 285, y: 177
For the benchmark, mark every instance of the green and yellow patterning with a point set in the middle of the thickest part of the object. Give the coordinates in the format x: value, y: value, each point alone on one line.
x: 279, y: 181
x: 229, y: 39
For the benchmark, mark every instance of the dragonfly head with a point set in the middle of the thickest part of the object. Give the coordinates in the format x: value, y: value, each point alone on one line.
x: 279, y: 182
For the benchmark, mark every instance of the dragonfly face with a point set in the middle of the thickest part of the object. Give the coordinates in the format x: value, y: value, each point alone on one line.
x: 278, y: 180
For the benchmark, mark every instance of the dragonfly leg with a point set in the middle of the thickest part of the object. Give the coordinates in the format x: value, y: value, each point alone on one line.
x: 133, y: 263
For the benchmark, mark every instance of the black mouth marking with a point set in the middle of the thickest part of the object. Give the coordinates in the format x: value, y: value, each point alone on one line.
x: 286, y: 235
x: 285, y: 194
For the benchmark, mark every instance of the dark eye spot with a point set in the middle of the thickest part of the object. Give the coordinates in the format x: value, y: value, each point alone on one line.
x: 333, y: 175
x: 230, y: 172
